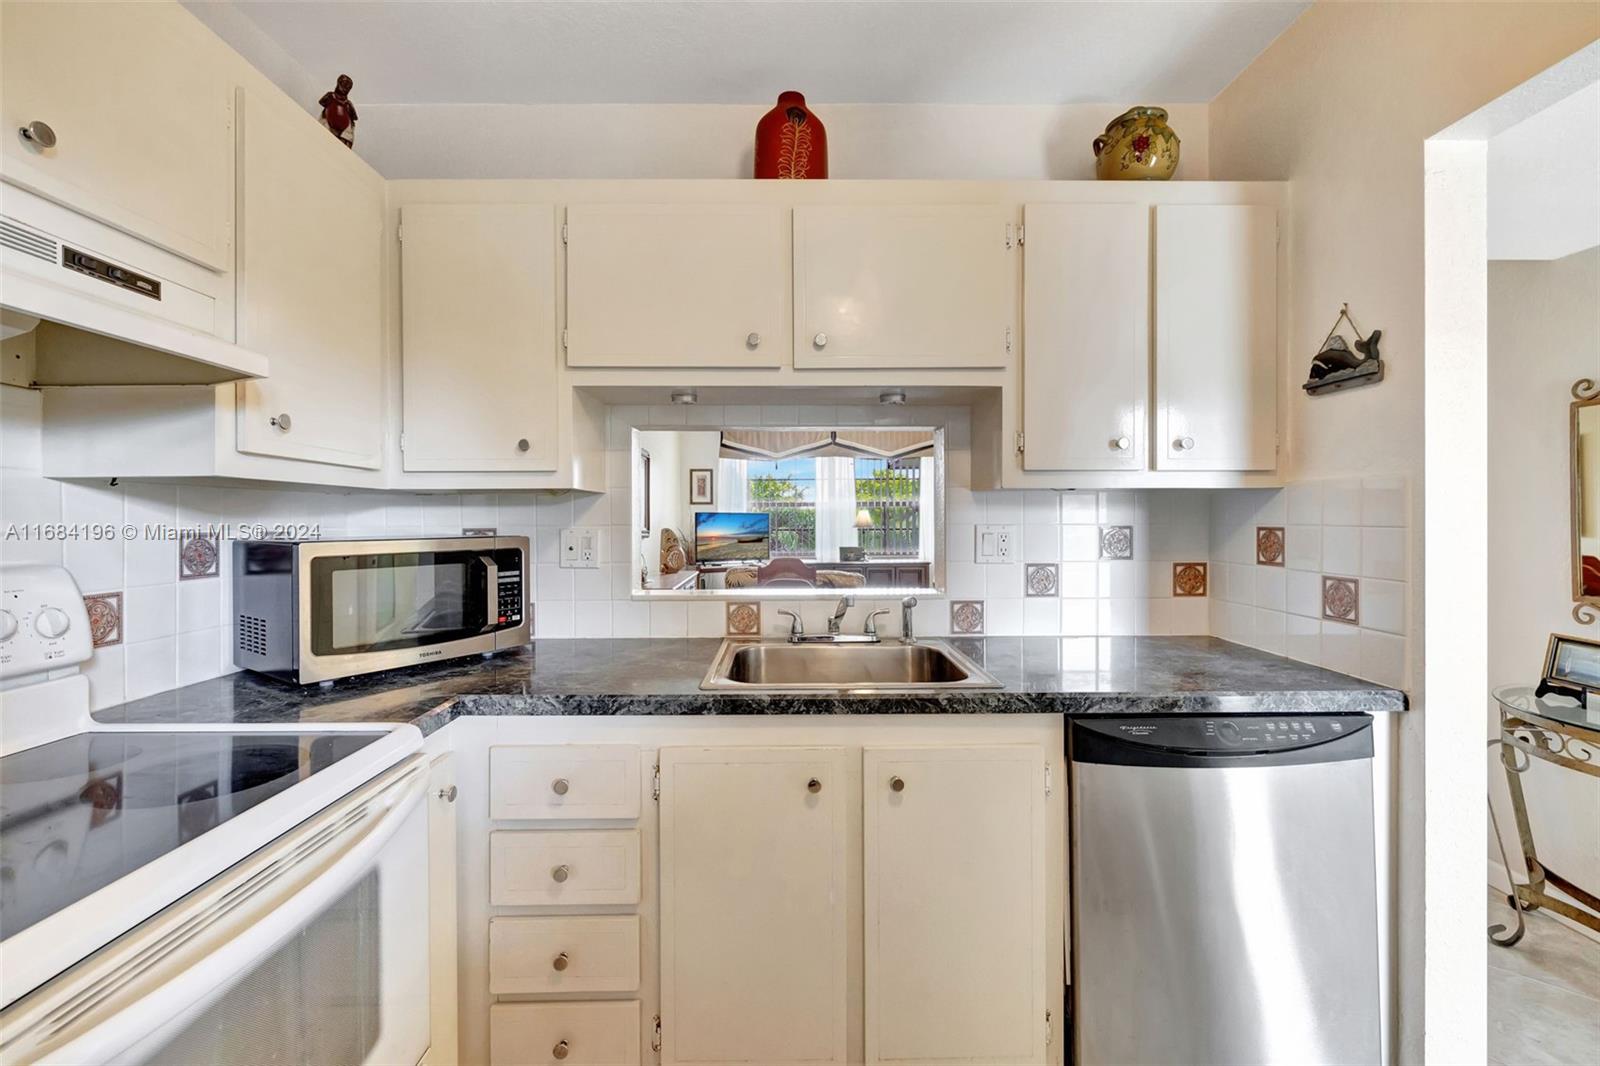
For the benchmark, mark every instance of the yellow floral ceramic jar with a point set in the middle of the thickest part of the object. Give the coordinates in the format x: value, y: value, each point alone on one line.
x: 1137, y: 145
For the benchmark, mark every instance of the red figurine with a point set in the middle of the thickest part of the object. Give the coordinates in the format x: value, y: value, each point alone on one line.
x: 338, y: 113
x: 790, y: 141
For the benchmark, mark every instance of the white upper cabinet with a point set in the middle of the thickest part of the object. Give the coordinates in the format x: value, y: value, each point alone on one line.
x: 310, y: 291
x: 1216, y: 315
x: 1086, y: 336
x: 677, y: 285
x: 753, y: 905
x: 903, y: 286
x: 478, y: 307
x: 139, y: 106
x: 954, y: 868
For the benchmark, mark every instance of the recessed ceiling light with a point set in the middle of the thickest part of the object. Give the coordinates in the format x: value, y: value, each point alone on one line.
x: 685, y: 397
x: 892, y: 398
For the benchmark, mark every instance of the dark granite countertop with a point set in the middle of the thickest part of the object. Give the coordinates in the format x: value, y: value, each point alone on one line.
x: 1130, y: 675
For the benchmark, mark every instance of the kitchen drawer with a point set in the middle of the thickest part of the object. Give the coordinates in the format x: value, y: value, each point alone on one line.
x: 595, y: 1034
x: 543, y: 867
x: 588, y: 954
x: 553, y: 781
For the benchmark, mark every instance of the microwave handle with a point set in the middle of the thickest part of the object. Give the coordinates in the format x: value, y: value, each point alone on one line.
x: 491, y: 592
x: 248, y: 912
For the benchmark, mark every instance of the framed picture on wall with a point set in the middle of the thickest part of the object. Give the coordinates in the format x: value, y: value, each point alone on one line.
x: 701, y: 482
x: 1574, y: 662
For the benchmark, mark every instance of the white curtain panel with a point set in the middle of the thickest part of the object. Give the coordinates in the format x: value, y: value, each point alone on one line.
x: 836, y: 507
x: 925, y: 527
x: 732, y: 491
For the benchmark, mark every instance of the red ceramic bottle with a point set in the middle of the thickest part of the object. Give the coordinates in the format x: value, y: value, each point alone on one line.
x: 790, y: 141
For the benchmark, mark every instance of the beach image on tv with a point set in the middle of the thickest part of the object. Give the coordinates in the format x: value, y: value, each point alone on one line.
x: 725, y: 536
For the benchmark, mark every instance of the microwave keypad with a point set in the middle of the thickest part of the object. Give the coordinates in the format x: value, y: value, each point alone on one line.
x: 510, y: 598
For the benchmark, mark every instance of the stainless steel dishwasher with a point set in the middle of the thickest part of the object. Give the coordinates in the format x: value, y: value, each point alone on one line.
x: 1224, y: 894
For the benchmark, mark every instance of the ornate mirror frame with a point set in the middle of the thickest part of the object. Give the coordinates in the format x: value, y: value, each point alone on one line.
x: 1585, y: 393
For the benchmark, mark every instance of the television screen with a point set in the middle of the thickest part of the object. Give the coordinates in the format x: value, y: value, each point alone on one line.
x: 731, y: 536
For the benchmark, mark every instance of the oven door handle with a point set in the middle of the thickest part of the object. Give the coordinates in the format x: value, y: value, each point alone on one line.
x: 491, y: 592
x: 123, y: 1003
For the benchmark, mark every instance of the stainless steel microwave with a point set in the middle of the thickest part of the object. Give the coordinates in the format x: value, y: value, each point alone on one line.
x: 309, y: 611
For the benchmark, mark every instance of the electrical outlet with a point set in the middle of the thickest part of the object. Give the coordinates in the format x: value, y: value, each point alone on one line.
x: 996, y: 544
x: 580, y: 549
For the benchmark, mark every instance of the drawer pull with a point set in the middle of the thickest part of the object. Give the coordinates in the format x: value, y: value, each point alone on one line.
x: 559, y: 874
x: 813, y: 786
x: 559, y: 786
x: 897, y: 784
x: 560, y: 1050
x: 559, y: 962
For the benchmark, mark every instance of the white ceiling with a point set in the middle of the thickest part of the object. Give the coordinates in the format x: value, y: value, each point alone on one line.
x: 670, y: 51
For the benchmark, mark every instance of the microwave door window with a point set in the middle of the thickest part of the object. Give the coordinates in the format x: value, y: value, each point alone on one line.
x: 402, y: 601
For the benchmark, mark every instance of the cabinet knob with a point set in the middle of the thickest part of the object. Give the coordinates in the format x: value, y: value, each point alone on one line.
x: 448, y: 794
x: 559, y: 874
x: 559, y: 962
x: 813, y: 786
x: 753, y: 340
x: 559, y: 786
x: 39, y: 134
x: 897, y: 784
x: 1183, y: 444
x: 820, y: 340
x: 560, y: 1050
x: 283, y: 422
x: 522, y: 445
x: 1120, y: 444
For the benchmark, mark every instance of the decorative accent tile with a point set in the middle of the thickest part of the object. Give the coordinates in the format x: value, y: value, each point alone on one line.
x: 1043, y: 580
x: 744, y: 619
x: 1269, y: 545
x: 1189, y: 579
x: 198, y: 556
x: 1341, y: 600
x: 105, y: 618
x: 1116, y: 542
x: 966, y: 616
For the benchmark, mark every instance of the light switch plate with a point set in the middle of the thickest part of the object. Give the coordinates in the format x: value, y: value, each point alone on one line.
x: 996, y: 544
x: 580, y: 548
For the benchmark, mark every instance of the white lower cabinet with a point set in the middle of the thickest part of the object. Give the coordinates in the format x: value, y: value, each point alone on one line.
x: 563, y: 867
x: 754, y: 905
x: 954, y: 923
x: 564, y: 1034
x: 580, y: 953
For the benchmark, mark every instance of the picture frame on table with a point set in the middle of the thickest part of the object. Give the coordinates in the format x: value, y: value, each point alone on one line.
x: 1572, y: 663
x: 702, y: 486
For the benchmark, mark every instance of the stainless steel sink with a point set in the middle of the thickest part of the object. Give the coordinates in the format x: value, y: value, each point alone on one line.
x: 778, y: 666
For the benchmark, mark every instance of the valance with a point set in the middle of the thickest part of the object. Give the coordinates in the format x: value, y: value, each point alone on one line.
x: 765, y: 444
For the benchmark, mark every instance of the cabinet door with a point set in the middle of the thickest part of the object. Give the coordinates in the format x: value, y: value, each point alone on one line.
x: 1216, y: 313
x: 903, y: 286
x: 955, y: 904
x: 310, y: 291
x: 1086, y: 336
x: 442, y: 866
x: 140, y: 106
x: 677, y: 285
x: 753, y: 906
x: 478, y: 353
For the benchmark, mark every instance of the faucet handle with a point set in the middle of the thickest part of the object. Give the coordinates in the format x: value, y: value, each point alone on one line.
x: 797, y: 628
x: 871, y: 629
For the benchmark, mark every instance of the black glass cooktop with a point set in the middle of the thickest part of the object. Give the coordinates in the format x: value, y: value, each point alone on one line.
x: 79, y: 813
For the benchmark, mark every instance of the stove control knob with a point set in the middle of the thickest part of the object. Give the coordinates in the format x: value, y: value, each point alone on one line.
x: 8, y: 625
x: 52, y: 623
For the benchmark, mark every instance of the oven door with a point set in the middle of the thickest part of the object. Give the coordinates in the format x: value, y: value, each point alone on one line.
x: 368, y: 606
x: 312, y: 950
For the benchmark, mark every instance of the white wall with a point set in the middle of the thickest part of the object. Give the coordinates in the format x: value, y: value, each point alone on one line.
x: 1340, y: 104
x: 1542, y: 174
x: 1544, y: 333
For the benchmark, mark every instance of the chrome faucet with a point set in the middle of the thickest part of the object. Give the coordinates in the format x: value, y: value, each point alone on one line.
x: 907, y: 634
x: 844, y: 604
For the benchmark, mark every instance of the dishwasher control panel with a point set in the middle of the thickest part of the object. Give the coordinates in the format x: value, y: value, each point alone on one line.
x: 1220, y: 735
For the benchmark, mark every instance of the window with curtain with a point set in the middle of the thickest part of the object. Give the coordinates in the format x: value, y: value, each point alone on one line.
x: 786, y: 490
x: 890, y: 492
x: 813, y: 505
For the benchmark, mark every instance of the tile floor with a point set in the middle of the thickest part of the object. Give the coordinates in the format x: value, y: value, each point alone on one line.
x: 1544, y: 994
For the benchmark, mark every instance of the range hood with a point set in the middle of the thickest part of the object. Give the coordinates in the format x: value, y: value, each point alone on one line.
x: 74, y: 315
